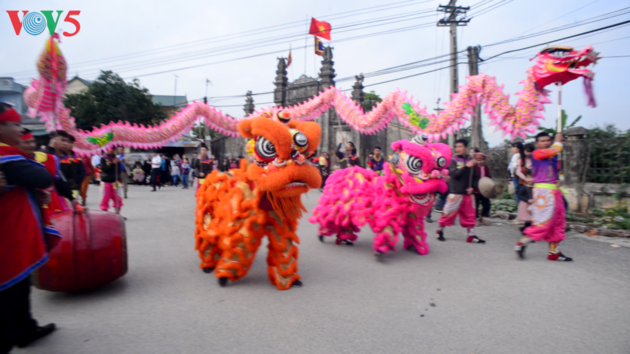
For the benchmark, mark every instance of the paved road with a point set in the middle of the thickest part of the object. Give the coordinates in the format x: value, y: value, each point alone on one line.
x: 461, y: 298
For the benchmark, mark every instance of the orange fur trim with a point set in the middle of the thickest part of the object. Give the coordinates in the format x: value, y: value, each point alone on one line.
x: 275, y: 181
x: 287, y: 207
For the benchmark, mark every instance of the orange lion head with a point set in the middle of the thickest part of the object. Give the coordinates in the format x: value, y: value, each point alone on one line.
x: 280, y: 148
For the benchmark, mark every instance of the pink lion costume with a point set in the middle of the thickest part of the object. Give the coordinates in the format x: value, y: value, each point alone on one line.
x: 394, y: 203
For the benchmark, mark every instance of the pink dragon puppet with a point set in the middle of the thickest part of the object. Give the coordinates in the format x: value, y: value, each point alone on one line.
x: 553, y: 65
x: 394, y: 203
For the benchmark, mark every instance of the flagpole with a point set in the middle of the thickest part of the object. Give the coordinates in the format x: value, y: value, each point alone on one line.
x: 305, y: 44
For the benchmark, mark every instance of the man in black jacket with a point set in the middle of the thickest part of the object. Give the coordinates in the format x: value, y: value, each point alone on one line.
x: 71, y: 167
x: 204, y: 167
x: 464, y: 178
x: 146, y: 168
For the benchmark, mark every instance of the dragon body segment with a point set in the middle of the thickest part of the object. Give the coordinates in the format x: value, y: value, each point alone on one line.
x: 553, y: 65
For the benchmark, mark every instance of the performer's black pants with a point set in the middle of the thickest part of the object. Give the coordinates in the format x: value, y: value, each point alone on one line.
x: 485, y: 205
x: 15, y: 314
x: 155, y: 172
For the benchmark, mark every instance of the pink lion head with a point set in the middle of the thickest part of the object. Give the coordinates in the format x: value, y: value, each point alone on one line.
x: 421, y: 168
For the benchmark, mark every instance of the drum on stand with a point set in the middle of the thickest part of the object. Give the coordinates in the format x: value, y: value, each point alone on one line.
x: 91, y: 253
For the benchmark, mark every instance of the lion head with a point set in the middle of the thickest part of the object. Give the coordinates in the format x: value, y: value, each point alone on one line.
x: 280, y: 150
x: 421, y: 169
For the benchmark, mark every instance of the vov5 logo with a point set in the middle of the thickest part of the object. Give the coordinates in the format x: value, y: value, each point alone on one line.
x: 34, y: 22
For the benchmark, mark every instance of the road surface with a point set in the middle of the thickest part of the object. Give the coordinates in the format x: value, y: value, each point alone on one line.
x: 461, y: 298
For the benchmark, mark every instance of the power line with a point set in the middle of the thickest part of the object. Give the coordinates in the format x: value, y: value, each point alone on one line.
x: 409, y: 67
x: 256, y: 32
x: 557, y: 18
x: 561, y: 39
x: 146, y: 65
x: 586, y: 21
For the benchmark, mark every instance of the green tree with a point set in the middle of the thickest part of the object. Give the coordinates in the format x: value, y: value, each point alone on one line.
x: 370, y: 100
x: 110, y: 98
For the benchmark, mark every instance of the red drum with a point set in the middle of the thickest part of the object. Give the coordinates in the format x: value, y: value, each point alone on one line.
x: 91, y: 253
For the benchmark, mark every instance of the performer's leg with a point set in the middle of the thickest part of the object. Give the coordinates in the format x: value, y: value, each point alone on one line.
x: 543, y: 210
x: 387, y: 239
x: 557, y: 233
x: 449, y: 213
x: 237, y: 257
x: 125, y: 181
x: 467, y: 218
x: 153, y: 178
x: 486, y: 206
x: 477, y: 205
x: 282, y: 260
x: 84, y: 188
x: 118, y: 200
x: 15, y: 314
x: 516, y: 185
x: 413, y: 232
x: 108, y: 191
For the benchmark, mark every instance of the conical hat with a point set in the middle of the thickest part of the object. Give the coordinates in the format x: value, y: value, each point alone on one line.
x: 487, y: 187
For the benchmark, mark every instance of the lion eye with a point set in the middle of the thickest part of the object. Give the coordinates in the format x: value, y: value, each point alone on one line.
x: 441, y: 161
x: 265, y: 149
x: 300, y: 140
x: 413, y: 164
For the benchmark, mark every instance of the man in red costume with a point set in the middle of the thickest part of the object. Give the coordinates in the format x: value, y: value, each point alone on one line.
x: 22, y: 245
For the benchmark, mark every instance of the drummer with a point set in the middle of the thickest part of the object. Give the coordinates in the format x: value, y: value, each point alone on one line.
x: 22, y: 247
x: 484, y: 171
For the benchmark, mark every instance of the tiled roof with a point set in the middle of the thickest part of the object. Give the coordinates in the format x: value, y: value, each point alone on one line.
x: 169, y: 101
x: 85, y: 82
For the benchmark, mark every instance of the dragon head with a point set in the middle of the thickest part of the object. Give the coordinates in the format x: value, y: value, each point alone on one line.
x: 420, y: 168
x: 563, y: 64
x: 280, y: 149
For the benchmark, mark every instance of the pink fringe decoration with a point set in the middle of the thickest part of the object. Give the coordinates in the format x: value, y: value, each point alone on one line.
x: 588, y: 89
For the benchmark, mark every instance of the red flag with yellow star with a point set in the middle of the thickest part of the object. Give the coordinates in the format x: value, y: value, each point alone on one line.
x: 320, y: 29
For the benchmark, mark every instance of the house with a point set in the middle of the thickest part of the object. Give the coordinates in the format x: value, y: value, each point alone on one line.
x: 77, y: 85
x: 13, y: 93
x: 170, y: 103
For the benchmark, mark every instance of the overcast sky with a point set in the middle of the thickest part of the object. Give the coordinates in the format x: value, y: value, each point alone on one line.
x: 142, y: 38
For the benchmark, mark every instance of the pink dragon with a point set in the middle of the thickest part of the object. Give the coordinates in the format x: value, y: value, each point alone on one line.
x: 394, y: 203
x: 553, y: 65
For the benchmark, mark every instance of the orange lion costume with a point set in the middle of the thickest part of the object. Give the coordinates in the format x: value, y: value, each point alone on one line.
x: 236, y: 209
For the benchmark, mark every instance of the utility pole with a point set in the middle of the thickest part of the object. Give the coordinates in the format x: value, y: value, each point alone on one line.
x: 175, y: 95
x: 437, y: 113
x: 206, y: 129
x: 476, y: 134
x: 207, y: 136
x: 456, y: 17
